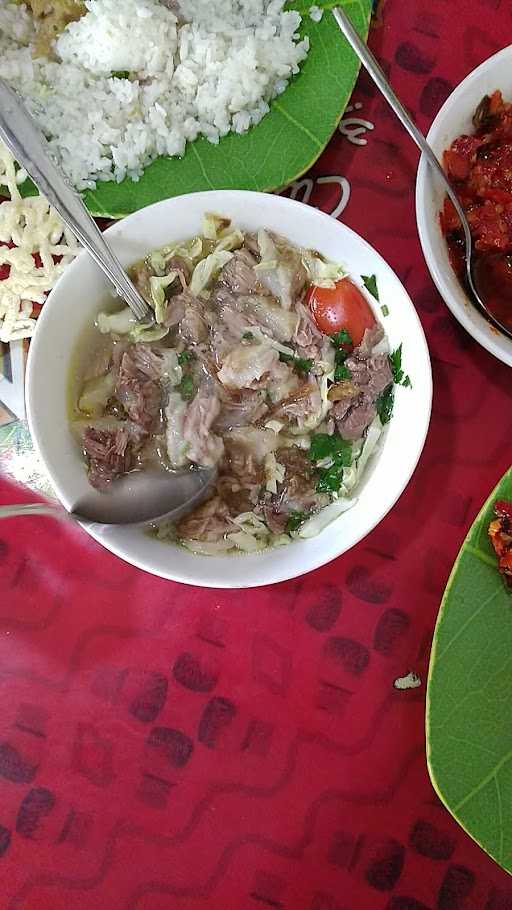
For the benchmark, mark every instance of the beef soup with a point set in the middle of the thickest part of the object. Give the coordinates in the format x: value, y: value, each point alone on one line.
x: 265, y: 360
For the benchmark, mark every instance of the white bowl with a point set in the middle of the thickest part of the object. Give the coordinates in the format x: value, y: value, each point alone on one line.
x: 454, y: 118
x: 73, y: 305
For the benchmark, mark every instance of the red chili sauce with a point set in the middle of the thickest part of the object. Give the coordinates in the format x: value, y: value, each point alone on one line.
x: 480, y: 167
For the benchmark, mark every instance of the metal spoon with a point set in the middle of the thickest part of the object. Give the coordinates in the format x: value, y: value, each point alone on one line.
x: 141, y: 496
x: 369, y: 62
x: 138, y: 498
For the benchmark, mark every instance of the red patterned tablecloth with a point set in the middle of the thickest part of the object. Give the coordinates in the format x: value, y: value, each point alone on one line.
x: 167, y: 747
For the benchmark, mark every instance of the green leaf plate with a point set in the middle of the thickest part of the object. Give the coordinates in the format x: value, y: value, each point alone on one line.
x: 469, y: 698
x: 275, y: 152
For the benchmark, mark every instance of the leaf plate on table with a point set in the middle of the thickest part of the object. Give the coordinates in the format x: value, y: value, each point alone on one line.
x: 272, y: 154
x: 469, y: 698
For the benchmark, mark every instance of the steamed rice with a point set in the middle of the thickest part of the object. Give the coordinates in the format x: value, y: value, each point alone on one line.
x: 213, y: 70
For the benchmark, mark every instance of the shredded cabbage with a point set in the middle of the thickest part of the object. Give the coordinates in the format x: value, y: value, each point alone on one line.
x: 95, y: 394
x: 274, y: 472
x: 352, y: 475
x: 232, y: 241
x: 311, y: 423
x: 158, y: 287
x: 142, y: 332
x: 208, y: 547
x: 263, y: 338
x: 324, y: 517
x: 253, y: 534
x: 121, y: 322
x: 268, y: 250
x: 171, y: 368
x: 191, y: 250
x: 207, y: 268
x: 124, y: 323
x: 214, y: 225
x: 321, y: 272
x: 275, y: 425
x: 177, y: 446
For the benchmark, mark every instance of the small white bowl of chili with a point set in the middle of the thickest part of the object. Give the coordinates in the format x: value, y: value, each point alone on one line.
x: 455, y: 119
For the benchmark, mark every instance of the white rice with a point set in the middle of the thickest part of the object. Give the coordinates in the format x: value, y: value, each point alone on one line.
x: 316, y: 14
x: 213, y: 73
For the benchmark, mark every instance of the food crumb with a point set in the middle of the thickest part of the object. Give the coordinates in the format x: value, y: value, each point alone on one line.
x: 411, y: 681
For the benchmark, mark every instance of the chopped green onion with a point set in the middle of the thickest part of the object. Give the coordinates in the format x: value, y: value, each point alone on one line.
x: 187, y: 388
x: 384, y: 310
x: 120, y: 74
x: 248, y: 336
x: 185, y: 357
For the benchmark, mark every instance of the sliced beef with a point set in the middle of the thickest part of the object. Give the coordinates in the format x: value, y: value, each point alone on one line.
x: 180, y: 265
x: 204, y: 447
x: 370, y: 375
x: 110, y: 453
x: 237, y: 498
x: 209, y: 522
x: 371, y: 338
x: 137, y: 387
x: 193, y: 328
x: 242, y: 409
x: 297, y: 492
x: 303, y: 403
x: 185, y: 310
x: 307, y: 335
x: 238, y: 276
x: 141, y: 275
x: 247, y: 365
x: 354, y: 423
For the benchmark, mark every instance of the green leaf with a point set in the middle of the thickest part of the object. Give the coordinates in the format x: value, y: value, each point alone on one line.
x: 301, y: 364
x: 330, y: 479
x: 370, y: 283
x: 325, y: 446
x: 295, y: 519
x: 470, y: 692
x: 342, y: 372
x: 274, y: 153
x: 395, y: 361
x: 341, y: 338
x: 384, y: 405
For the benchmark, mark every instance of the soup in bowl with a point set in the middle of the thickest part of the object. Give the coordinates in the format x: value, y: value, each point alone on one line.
x: 284, y: 351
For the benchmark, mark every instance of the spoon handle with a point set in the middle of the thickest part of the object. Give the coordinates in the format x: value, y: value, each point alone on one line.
x: 369, y: 62
x: 33, y: 508
x: 28, y: 145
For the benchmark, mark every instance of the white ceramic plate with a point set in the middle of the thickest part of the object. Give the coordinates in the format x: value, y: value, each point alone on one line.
x: 454, y: 118
x: 73, y: 305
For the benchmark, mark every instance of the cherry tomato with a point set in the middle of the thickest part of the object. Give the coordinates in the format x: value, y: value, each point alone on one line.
x: 341, y: 307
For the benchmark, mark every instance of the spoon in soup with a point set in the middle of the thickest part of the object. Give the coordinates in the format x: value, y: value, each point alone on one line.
x: 142, y: 496
x: 483, y: 280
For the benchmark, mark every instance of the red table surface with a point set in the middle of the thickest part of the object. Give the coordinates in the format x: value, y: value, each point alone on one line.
x: 169, y: 747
